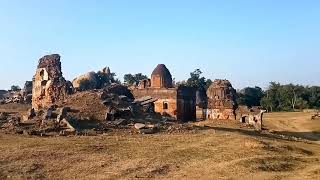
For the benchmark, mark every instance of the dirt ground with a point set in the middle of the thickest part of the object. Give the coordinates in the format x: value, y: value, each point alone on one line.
x: 218, y: 150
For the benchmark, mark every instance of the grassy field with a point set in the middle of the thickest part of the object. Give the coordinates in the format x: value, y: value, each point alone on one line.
x: 216, y: 151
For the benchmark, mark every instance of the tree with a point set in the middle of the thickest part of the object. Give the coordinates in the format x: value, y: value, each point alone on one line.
x: 130, y: 79
x: 208, y: 83
x: 313, y: 96
x: 267, y: 103
x: 290, y: 97
x: 105, y: 78
x: 198, y: 82
x: 271, y: 100
x: 15, y: 88
x: 250, y: 96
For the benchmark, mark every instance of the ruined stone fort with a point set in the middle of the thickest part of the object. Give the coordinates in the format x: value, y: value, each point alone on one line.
x: 181, y: 103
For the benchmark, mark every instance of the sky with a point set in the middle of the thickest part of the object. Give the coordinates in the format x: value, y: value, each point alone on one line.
x: 249, y: 42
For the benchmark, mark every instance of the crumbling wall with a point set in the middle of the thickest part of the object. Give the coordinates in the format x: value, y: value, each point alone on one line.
x: 179, y: 103
x: 221, y: 100
x: 167, y: 99
x: 186, y: 104
x: 49, y: 86
x: 252, y: 116
x: 145, y: 83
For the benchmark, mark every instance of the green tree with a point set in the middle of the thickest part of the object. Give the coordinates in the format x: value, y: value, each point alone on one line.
x: 105, y: 79
x: 250, y: 96
x: 290, y: 97
x: 197, y: 81
x: 130, y: 79
x: 271, y: 99
x: 15, y: 88
x: 313, y: 96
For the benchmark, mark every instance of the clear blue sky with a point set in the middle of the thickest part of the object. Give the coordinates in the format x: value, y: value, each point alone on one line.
x: 250, y: 42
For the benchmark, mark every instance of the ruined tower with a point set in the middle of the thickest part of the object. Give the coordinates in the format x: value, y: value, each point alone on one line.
x: 221, y: 100
x: 49, y: 86
x: 161, y: 77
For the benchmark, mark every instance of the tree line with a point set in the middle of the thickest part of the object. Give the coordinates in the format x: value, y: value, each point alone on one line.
x: 281, y: 97
x: 277, y: 97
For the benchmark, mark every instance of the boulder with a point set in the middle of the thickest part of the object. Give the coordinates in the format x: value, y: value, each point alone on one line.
x: 66, y: 124
x: 86, y: 82
x: 139, y: 126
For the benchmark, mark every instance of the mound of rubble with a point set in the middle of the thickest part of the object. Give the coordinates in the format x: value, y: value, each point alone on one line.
x: 95, y: 111
x: 59, y: 109
x: 23, y: 96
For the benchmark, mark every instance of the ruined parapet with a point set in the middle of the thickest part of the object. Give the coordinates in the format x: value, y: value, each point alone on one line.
x: 49, y: 86
x: 221, y: 100
x: 145, y: 83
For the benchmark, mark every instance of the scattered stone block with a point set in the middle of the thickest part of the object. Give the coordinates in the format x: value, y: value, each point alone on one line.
x: 139, y: 126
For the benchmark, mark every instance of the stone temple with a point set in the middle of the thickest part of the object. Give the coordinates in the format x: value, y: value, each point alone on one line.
x: 179, y: 103
x: 221, y: 100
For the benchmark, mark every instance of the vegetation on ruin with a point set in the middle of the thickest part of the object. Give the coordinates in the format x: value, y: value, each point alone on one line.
x: 134, y: 79
x: 15, y: 88
x: 196, y: 80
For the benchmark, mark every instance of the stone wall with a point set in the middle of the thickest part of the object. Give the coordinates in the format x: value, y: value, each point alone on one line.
x: 167, y: 99
x: 186, y: 104
x: 49, y: 86
x: 221, y: 100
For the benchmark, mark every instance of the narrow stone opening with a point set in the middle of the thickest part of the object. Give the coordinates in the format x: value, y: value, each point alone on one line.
x: 243, y: 119
x: 165, y: 105
x: 42, y: 75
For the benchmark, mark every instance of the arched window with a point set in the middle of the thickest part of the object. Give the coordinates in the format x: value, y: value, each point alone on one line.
x: 165, y: 105
x: 42, y: 74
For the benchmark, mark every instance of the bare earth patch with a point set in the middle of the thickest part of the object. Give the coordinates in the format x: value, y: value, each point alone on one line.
x: 218, y: 150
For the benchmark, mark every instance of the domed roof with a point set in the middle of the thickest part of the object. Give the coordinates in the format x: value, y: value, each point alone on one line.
x: 161, y: 70
x: 161, y: 77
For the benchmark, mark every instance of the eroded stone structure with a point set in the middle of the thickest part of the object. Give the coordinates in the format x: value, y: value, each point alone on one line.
x: 179, y: 103
x: 49, y: 86
x: 221, y: 100
x: 252, y: 116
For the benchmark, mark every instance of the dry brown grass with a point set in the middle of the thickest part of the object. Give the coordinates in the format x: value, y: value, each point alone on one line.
x: 216, y: 152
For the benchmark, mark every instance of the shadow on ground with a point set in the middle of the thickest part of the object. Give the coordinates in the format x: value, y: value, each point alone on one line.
x: 281, y: 135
